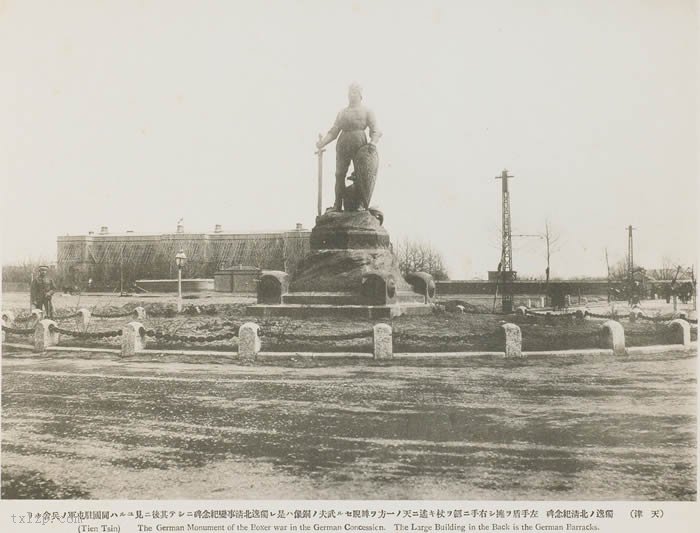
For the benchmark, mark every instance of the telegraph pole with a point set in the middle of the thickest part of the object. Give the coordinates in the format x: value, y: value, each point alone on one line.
x: 630, y: 251
x: 630, y: 263
x: 121, y: 271
x: 506, y: 245
x: 607, y: 264
x: 695, y: 292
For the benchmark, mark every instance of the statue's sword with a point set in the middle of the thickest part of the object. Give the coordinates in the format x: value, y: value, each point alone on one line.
x: 319, y: 153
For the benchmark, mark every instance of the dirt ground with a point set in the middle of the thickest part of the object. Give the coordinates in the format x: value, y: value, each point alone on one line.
x: 79, y: 425
x: 580, y: 427
x: 212, y: 313
x: 20, y: 301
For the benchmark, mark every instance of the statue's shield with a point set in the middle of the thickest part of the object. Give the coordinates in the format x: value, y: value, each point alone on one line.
x: 365, y: 165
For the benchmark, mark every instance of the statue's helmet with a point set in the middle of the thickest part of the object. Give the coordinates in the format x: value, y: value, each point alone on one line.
x: 355, y: 89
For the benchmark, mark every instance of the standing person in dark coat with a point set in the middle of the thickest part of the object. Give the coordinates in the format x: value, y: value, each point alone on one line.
x: 42, y: 290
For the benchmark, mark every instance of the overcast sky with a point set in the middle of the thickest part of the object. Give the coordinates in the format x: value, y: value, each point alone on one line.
x: 133, y: 114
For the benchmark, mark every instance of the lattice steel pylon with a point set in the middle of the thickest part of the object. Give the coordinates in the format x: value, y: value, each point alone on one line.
x: 506, y: 244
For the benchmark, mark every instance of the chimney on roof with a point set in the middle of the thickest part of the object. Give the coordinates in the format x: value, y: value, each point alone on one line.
x: 104, y: 230
x: 180, y: 227
x: 299, y: 226
x: 91, y: 232
x: 217, y: 228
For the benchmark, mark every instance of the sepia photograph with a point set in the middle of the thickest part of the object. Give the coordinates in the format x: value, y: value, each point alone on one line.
x: 349, y: 250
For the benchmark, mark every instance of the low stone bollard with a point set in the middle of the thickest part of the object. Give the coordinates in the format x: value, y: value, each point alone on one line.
x: 383, y: 342
x: 139, y: 313
x: 679, y: 332
x: 8, y: 317
x: 581, y: 313
x: 513, y: 340
x: 37, y: 314
x: 84, y: 317
x: 133, y: 339
x: 44, y: 338
x: 612, y: 336
x: 521, y: 310
x: 248, y: 341
x: 635, y: 313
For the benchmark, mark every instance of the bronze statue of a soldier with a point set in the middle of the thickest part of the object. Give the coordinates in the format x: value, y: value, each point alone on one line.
x: 351, y: 124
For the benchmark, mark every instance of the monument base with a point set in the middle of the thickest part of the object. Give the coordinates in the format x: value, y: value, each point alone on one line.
x: 347, y: 230
x: 350, y: 272
x: 344, y: 270
x: 370, y: 312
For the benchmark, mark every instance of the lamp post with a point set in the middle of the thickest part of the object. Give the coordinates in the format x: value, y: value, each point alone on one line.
x: 180, y: 259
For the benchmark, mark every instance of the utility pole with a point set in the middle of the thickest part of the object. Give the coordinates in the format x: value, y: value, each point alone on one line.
x: 121, y: 271
x: 630, y: 263
x: 506, y: 245
x: 607, y: 264
x: 674, y: 292
x: 630, y: 251
x: 31, y: 285
x: 695, y: 292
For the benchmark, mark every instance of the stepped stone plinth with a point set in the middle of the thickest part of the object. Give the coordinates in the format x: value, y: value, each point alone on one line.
x: 349, y: 230
x: 350, y: 271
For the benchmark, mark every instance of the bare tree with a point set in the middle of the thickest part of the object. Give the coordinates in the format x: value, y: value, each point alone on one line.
x: 417, y: 256
x: 668, y: 269
x: 619, y: 271
x: 551, y: 241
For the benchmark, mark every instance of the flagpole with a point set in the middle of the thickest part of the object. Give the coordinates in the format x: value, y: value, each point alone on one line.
x: 319, y: 153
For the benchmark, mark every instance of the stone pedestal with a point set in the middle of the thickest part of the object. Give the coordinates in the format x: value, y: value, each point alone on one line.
x: 44, y: 336
x: 348, y: 230
x: 612, y: 336
x: 513, y: 340
x: 350, y: 271
x: 248, y: 341
x: 133, y: 339
x: 383, y: 342
x: 679, y: 332
x: 84, y: 317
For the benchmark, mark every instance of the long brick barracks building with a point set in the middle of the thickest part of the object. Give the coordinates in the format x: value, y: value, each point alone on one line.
x: 106, y: 257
